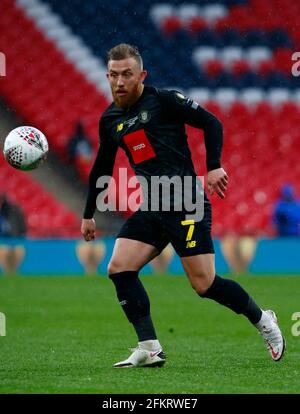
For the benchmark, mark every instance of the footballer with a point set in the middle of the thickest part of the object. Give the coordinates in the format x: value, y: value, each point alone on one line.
x: 149, y: 125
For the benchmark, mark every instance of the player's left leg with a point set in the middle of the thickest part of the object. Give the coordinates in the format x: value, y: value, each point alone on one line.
x: 128, y: 257
x: 138, y: 242
x: 200, y: 270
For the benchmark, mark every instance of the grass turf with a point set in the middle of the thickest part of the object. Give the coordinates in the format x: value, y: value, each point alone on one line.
x: 64, y: 334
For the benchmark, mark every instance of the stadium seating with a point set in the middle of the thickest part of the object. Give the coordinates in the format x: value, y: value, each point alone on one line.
x: 228, y: 55
x: 45, y: 216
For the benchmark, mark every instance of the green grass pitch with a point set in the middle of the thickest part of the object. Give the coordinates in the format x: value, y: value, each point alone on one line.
x: 64, y: 333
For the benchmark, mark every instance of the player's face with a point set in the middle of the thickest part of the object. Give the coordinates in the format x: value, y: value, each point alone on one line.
x: 126, y: 81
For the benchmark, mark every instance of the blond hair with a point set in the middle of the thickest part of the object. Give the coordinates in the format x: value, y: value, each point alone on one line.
x: 124, y: 51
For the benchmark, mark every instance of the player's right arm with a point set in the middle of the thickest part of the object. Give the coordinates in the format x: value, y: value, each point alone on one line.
x: 103, y: 166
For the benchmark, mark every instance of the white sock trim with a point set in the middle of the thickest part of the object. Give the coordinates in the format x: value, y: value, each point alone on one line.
x: 150, y: 345
x: 264, y: 320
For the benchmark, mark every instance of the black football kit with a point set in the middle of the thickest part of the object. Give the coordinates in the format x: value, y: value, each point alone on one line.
x: 152, y: 134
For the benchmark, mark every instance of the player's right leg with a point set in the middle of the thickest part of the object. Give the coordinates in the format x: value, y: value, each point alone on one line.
x: 130, y: 254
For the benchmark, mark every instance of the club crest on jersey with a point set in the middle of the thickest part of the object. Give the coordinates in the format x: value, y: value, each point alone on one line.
x: 144, y: 116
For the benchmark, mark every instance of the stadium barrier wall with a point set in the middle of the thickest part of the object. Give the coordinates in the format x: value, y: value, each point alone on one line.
x: 76, y: 257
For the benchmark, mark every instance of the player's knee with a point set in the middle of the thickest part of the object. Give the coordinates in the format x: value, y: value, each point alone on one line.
x: 201, y: 282
x: 112, y: 267
x: 116, y: 266
x: 200, y: 288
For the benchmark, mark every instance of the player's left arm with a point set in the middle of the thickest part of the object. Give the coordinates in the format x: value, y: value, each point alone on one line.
x: 191, y: 113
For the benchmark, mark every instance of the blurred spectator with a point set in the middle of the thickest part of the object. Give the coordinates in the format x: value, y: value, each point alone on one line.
x: 286, y: 215
x: 238, y: 251
x: 90, y: 255
x: 12, y: 229
x: 80, y: 152
x: 160, y: 264
x: 79, y: 147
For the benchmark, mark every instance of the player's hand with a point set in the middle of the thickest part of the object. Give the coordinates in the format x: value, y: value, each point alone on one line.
x: 217, y: 181
x: 88, y: 229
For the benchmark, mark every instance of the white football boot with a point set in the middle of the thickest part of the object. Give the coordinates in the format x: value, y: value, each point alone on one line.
x: 142, y: 357
x: 269, y: 329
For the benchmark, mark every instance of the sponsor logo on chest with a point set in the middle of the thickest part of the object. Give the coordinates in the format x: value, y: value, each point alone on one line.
x: 139, y: 146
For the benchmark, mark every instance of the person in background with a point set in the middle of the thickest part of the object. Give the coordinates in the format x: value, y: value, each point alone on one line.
x: 79, y: 145
x: 91, y: 255
x: 12, y: 230
x: 238, y: 250
x: 160, y: 263
x: 286, y: 215
x: 80, y: 151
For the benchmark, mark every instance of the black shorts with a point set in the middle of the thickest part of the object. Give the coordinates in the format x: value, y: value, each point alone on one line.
x: 188, y: 237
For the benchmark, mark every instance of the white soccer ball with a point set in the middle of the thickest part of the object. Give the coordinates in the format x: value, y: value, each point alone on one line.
x: 25, y: 148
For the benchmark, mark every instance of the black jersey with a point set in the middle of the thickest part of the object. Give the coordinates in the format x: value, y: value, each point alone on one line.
x: 152, y: 133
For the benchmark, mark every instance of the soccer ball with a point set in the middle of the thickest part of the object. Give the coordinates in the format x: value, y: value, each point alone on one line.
x: 25, y: 148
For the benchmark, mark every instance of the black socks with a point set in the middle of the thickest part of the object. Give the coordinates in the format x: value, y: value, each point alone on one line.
x: 229, y: 293
x: 135, y: 303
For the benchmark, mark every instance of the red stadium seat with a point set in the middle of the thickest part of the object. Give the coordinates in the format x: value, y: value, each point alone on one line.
x: 196, y: 24
x: 282, y: 59
x: 240, y: 67
x: 171, y: 24
x: 213, y: 67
